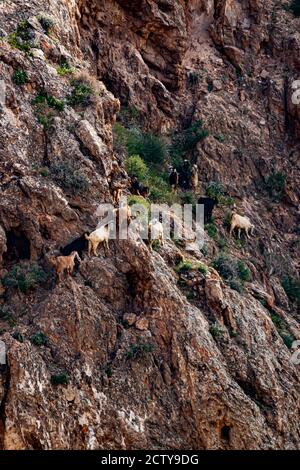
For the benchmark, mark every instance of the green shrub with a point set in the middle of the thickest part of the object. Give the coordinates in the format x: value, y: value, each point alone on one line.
x: 275, y: 185
x: 184, y: 266
x: 5, y: 313
x: 216, y: 330
x: 244, y: 272
x: 232, y: 271
x: 187, y: 197
x: 139, y: 350
x: 282, y: 330
x: 120, y: 137
x: 215, y: 190
x: 65, y: 68
x: 43, y: 100
x: 186, y: 141
x: 45, y: 106
x: 18, y: 336
x: 202, y: 268
x: 67, y: 177
x: 149, y: 146
x: 220, y: 138
x: 226, y: 267
x: 25, y: 277
x: 211, y: 230
x: 292, y: 288
x: 81, y: 93
x: 236, y: 284
x: 22, y: 37
x: 160, y: 190
x: 39, y: 339
x: 20, y: 77
x: 135, y: 166
x: 60, y: 379
x: 295, y: 7
x: 46, y: 23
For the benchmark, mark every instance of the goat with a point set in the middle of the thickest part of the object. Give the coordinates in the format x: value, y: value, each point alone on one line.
x: 209, y: 205
x: 139, y: 189
x: 174, y: 179
x: 241, y: 222
x: 194, y: 178
x: 156, y: 232
x: 100, y: 235
x: 64, y: 263
x: 78, y: 244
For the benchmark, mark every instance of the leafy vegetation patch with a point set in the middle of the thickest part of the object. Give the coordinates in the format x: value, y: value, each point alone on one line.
x: 282, y: 330
x: 291, y: 286
x: 235, y: 273
x: 60, y: 379
x: 24, y: 277
x: 81, y: 94
x: 20, y: 77
x: 139, y: 350
x: 22, y: 37
x: 68, y: 178
x: 39, y: 339
x: 275, y: 185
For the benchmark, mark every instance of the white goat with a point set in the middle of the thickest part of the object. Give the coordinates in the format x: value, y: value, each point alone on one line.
x: 241, y: 223
x: 100, y: 235
x: 156, y: 232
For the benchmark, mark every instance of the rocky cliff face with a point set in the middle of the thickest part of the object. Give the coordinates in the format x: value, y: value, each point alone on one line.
x: 142, y: 361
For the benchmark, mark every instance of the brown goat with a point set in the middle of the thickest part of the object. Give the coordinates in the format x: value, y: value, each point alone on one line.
x: 64, y: 263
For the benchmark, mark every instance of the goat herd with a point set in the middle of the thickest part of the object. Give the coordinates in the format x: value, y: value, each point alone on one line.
x: 91, y: 241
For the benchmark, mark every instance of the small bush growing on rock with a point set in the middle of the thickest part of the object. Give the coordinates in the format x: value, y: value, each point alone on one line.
x: 81, y: 94
x: 149, y: 146
x: 45, y: 106
x: 295, y: 7
x: 212, y: 230
x: 186, y: 140
x: 60, y: 379
x: 215, y: 190
x: 24, y: 277
x: 282, y: 330
x: 244, y: 273
x: 69, y: 178
x: 216, y: 330
x: 46, y: 23
x: 184, y: 266
x: 22, y: 37
x: 42, y: 99
x: 64, y: 68
x: 20, y: 77
x: 135, y: 166
x: 275, y: 185
x: 39, y: 339
x: 202, y: 268
x: 139, y: 350
x: 220, y: 138
x: 232, y: 271
x: 291, y: 286
x: 5, y: 313
x: 18, y: 336
x: 160, y: 190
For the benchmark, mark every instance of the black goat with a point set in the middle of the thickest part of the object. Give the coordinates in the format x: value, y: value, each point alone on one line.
x: 138, y: 189
x: 79, y: 244
x: 209, y: 205
x: 174, y: 179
